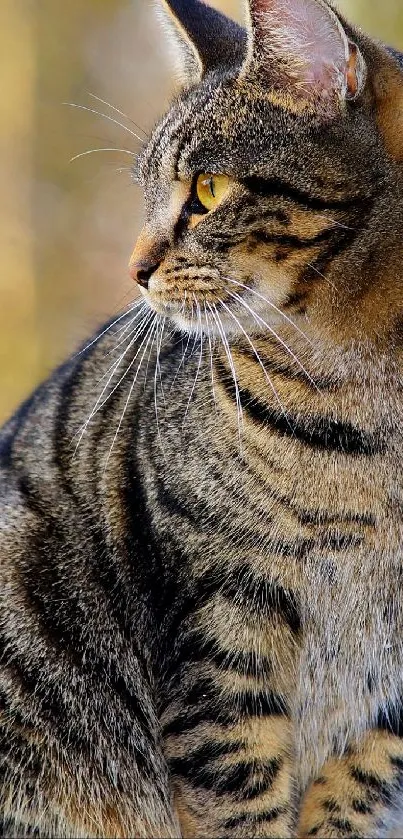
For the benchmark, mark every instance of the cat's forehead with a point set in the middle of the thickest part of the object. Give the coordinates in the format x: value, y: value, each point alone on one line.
x: 215, y: 127
x: 227, y: 126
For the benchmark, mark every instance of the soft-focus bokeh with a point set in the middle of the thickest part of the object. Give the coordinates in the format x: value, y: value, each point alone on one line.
x: 67, y: 229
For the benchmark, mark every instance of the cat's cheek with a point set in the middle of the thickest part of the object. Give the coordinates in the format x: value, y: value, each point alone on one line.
x: 271, y: 279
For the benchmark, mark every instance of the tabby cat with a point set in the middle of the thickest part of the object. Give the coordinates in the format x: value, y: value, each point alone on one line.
x: 201, y: 513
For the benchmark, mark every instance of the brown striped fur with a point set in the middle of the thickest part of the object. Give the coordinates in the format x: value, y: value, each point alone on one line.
x: 201, y: 609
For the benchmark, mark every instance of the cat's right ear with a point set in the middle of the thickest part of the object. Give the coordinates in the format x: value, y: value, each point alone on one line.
x: 300, y: 50
x: 202, y: 39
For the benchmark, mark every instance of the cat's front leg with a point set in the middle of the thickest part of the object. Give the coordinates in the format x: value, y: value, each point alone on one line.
x: 226, y: 705
x: 357, y: 795
x: 228, y: 740
x: 235, y: 781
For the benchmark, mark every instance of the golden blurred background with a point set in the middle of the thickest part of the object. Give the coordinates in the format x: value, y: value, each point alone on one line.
x: 67, y: 229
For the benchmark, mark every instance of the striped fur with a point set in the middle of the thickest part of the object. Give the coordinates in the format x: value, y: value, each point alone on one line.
x: 201, y: 615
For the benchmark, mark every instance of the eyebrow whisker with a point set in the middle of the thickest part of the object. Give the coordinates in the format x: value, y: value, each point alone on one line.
x: 105, y: 116
x: 118, y: 111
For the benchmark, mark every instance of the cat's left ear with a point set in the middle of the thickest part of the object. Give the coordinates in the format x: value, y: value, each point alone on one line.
x: 202, y: 38
x: 301, y: 49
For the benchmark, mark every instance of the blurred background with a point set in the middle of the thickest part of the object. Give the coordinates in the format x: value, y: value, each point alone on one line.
x: 67, y: 228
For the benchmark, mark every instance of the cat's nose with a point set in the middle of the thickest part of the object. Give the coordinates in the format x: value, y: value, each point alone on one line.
x: 142, y: 271
x: 146, y: 258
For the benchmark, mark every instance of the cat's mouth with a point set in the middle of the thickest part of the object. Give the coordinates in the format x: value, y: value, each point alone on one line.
x: 231, y: 308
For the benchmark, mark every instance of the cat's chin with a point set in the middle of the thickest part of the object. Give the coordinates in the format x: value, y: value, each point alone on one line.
x: 244, y: 319
x: 213, y: 326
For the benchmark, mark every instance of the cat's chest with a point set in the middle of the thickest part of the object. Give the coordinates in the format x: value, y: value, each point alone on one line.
x: 296, y: 554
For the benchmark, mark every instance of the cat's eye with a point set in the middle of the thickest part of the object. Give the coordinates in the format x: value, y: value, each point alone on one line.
x: 211, y: 189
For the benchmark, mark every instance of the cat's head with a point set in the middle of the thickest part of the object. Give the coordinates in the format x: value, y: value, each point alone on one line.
x: 270, y: 182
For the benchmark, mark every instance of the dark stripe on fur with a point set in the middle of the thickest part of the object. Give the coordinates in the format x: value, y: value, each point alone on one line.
x: 274, y: 187
x: 344, y: 825
x: 245, y: 780
x: 315, y: 432
x: 314, y: 831
x: 391, y: 719
x: 204, y: 702
x: 296, y: 299
x: 252, y: 819
x: 360, y: 806
x: 289, y: 372
x: 323, y: 517
x: 378, y: 788
x: 196, y: 647
x: 295, y: 242
x: 264, y: 598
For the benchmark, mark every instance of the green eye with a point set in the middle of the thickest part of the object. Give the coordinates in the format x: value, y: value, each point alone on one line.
x: 211, y: 189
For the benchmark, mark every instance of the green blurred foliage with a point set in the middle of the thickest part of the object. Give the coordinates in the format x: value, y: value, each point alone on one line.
x: 67, y: 230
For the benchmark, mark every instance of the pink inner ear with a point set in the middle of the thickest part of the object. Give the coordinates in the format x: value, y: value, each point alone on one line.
x: 307, y: 36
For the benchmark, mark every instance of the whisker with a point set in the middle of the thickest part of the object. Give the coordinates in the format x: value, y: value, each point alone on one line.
x: 260, y: 320
x: 272, y: 306
x: 158, y: 365
x: 105, y: 116
x: 114, y: 367
x: 157, y: 362
x: 211, y: 356
x: 334, y: 221
x: 122, y: 340
x: 145, y: 322
x: 283, y: 410
x: 135, y: 333
x: 141, y: 314
x: 223, y: 337
x: 117, y: 111
x: 183, y: 356
x: 94, y: 151
x: 146, y: 339
x: 197, y: 370
x: 147, y: 365
x: 323, y: 276
x: 135, y: 306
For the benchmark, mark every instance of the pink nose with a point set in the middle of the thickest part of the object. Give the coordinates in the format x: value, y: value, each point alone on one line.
x: 142, y: 271
x: 147, y: 256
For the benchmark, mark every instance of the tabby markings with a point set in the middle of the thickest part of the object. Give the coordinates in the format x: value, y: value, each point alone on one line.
x: 245, y: 780
x: 273, y: 187
x: 315, y: 432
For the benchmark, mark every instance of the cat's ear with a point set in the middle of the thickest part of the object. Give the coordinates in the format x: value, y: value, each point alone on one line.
x: 301, y: 48
x: 202, y: 38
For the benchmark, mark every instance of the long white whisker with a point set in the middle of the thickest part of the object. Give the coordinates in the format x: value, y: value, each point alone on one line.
x: 117, y: 111
x: 192, y: 317
x: 183, y: 357
x: 94, y: 151
x: 148, y: 361
x: 272, y: 306
x: 322, y: 275
x: 334, y: 221
x: 258, y: 358
x: 139, y: 330
x: 260, y: 320
x: 105, y: 116
x: 146, y: 339
x: 197, y: 370
x: 122, y: 340
x: 135, y: 333
x: 158, y: 366
x: 157, y: 361
x: 211, y: 356
x: 99, y: 403
x: 137, y: 305
x: 224, y: 341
